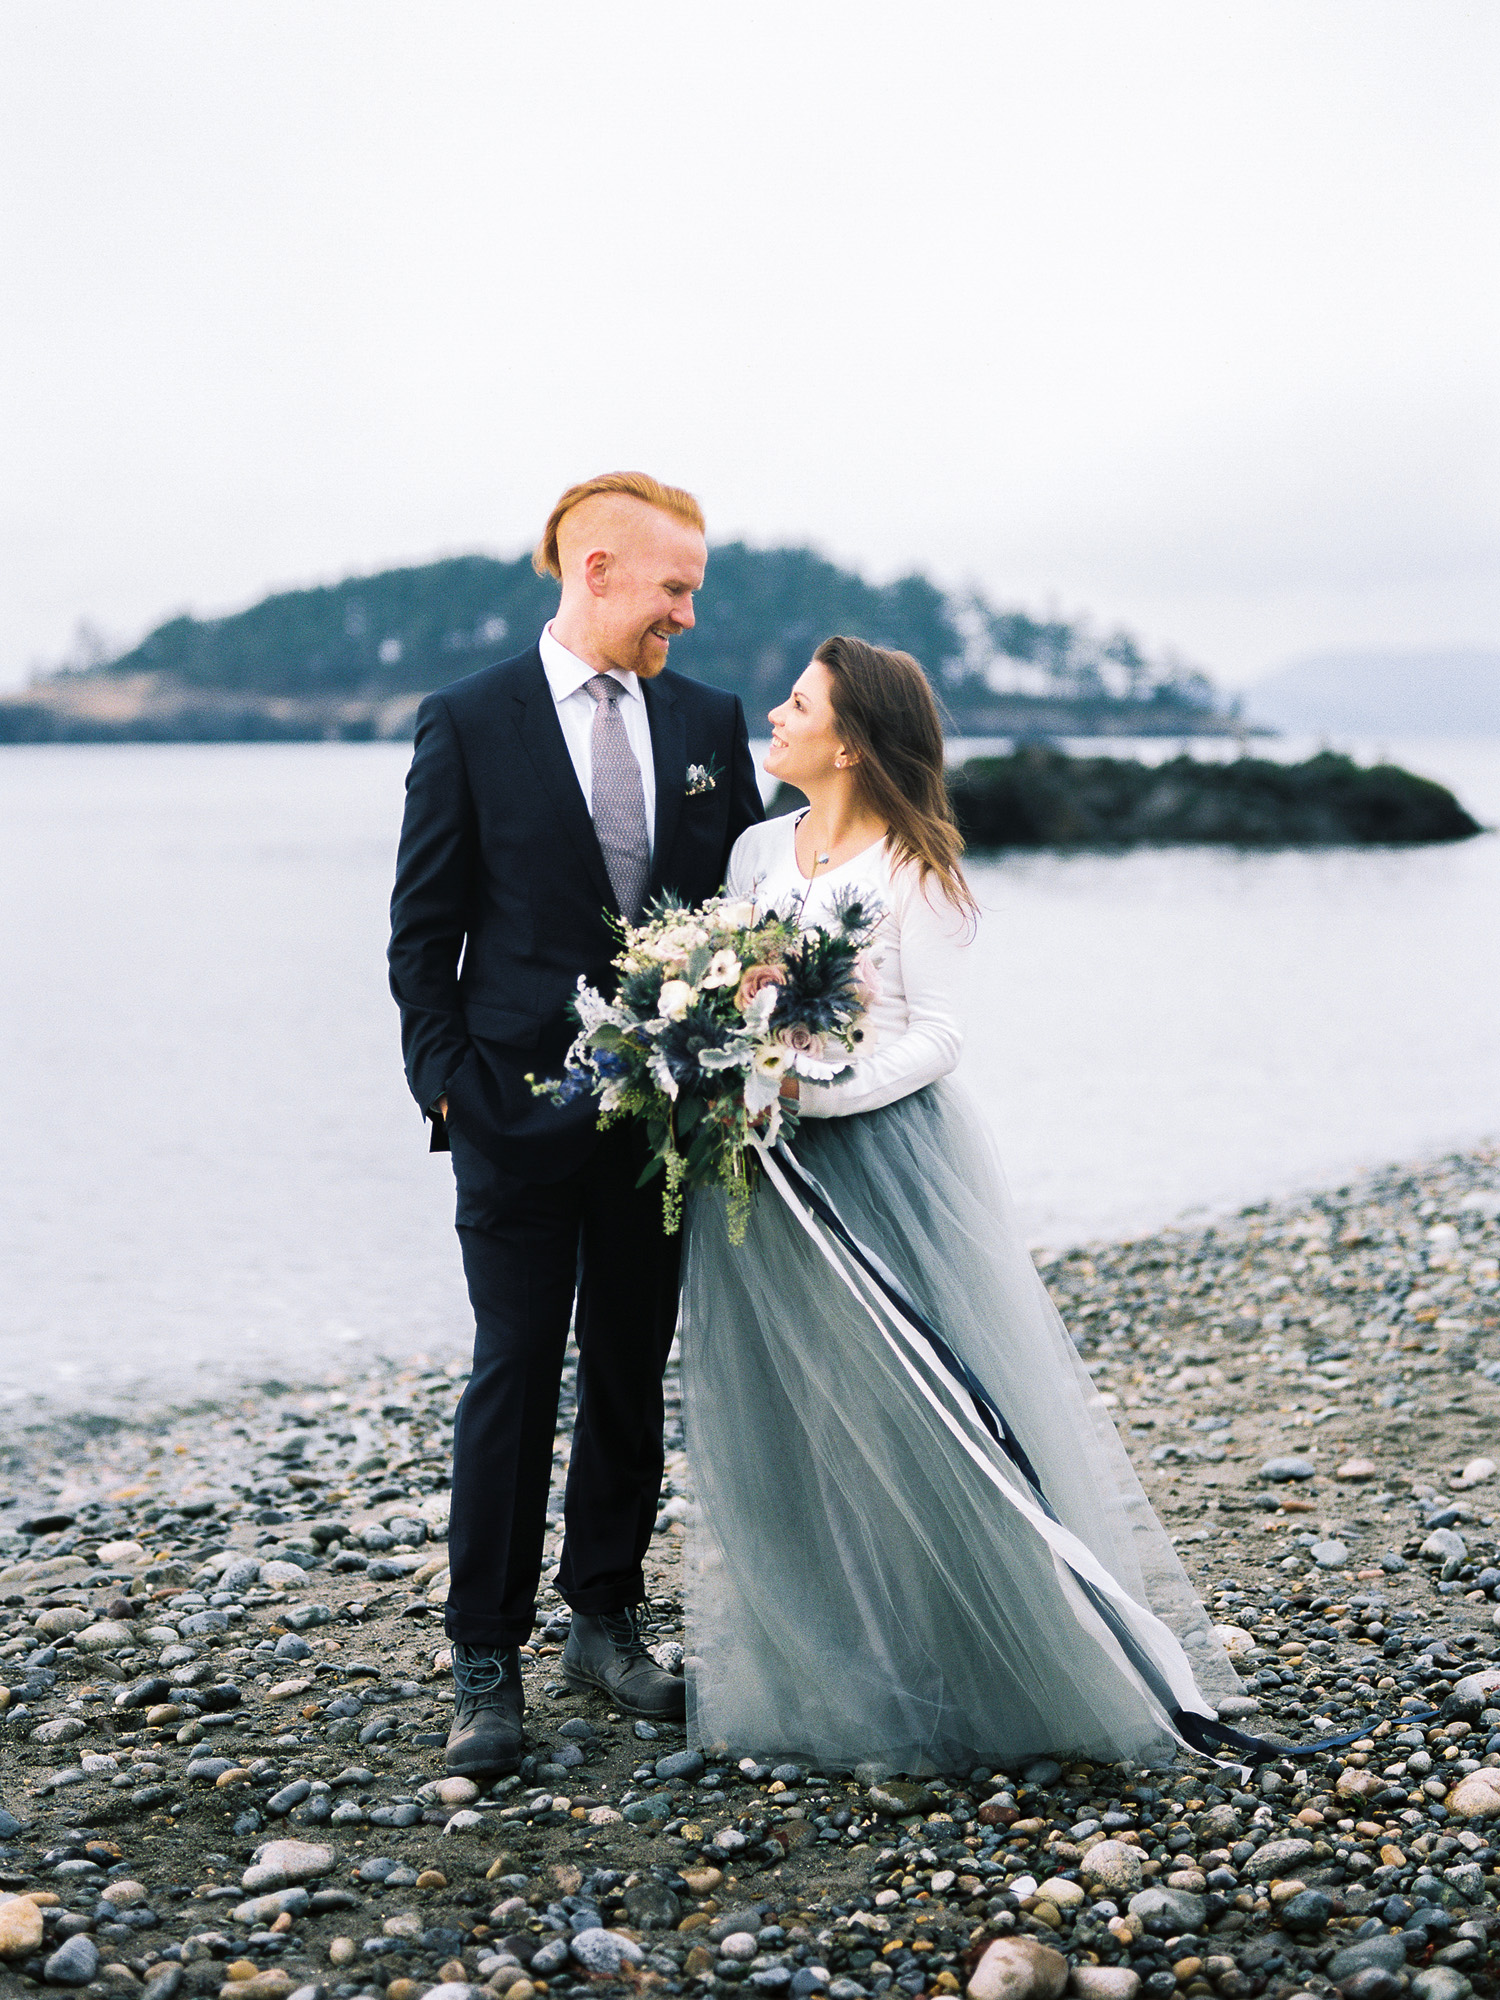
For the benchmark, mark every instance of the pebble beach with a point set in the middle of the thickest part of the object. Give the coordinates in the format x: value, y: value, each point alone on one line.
x: 224, y: 1690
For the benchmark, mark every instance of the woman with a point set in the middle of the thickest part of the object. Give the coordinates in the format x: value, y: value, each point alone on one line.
x: 880, y: 1573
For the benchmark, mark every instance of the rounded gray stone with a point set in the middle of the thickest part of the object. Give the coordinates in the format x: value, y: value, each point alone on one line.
x: 1443, y: 1545
x: 1282, y: 1469
x: 266, y: 1909
x: 1185, y: 1910
x: 73, y: 1963
x: 1306, y: 1913
x: 1440, y: 1982
x: 680, y: 1764
x: 652, y: 1906
x: 1388, y: 1952
x: 1277, y: 1857
x: 601, y: 1951
x: 1042, y: 1771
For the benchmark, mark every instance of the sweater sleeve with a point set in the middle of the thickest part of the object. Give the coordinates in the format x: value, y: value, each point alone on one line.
x: 925, y: 936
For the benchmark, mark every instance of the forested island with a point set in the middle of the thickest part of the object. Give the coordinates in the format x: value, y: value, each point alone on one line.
x: 1040, y: 797
x: 352, y: 660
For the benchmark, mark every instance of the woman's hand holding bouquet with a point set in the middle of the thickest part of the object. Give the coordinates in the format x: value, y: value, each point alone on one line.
x: 713, y: 1010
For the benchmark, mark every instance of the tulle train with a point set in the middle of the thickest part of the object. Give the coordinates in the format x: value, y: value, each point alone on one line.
x: 857, y: 1591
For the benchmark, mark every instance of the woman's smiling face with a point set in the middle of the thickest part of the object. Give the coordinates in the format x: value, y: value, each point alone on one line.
x: 804, y: 730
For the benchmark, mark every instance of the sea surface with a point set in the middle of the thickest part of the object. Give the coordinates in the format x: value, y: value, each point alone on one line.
x: 212, y: 1174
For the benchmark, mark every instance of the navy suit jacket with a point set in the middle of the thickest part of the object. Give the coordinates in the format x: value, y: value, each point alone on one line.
x: 502, y: 897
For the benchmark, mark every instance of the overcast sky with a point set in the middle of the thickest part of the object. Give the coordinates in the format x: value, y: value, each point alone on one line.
x: 1184, y: 316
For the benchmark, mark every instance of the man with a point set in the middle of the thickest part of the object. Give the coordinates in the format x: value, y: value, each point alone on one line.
x: 546, y: 795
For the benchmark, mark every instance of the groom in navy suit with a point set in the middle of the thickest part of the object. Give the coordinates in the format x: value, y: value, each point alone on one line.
x: 546, y: 795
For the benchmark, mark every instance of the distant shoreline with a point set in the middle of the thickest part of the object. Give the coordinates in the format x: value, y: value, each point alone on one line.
x: 135, y: 709
x: 105, y: 1448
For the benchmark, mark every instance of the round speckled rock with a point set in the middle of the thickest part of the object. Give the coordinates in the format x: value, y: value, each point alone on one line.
x: 1114, y: 1865
x: 450, y: 1791
x: 62, y: 1618
x: 1475, y: 1797
x: 1060, y: 1893
x: 102, y: 1638
x: 1183, y: 1910
x: 1277, y: 1857
x: 282, y: 1862
x: 281, y: 1575
x: 1018, y: 1968
x: 606, y: 1952
x: 1104, y: 1982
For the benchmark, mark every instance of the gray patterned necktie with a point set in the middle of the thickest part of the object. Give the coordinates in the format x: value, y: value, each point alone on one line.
x: 619, y: 801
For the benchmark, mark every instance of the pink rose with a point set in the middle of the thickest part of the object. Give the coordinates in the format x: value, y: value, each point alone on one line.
x: 867, y: 979
x: 755, y: 978
x: 801, y: 1040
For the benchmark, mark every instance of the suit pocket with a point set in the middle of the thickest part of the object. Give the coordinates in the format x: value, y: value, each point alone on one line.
x: 509, y: 1025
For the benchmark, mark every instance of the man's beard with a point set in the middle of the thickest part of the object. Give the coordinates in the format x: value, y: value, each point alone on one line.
x: 648, y: 661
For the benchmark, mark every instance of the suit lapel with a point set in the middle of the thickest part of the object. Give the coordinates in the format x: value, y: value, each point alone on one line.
x: 542, y: 739
x: 669, y: 755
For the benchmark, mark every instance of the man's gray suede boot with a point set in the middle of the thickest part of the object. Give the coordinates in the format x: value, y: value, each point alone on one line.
x: 486, y: 1739
x: 605, y: 1653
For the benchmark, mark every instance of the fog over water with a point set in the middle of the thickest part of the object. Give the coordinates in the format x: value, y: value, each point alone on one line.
x: 214, y: 1174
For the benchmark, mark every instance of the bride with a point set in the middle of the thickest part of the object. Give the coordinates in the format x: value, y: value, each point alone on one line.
x: 881, y: 1571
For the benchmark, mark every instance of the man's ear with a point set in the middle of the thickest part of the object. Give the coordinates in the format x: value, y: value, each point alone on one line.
x: 596, y: 568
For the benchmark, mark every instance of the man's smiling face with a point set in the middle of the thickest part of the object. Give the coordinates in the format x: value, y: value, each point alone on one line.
x: 646, y: 599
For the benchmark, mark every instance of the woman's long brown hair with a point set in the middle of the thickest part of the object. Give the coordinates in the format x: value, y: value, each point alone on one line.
x: 886, y: 713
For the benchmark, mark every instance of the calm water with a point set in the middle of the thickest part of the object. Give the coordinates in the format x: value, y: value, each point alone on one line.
x: 212, y: 1171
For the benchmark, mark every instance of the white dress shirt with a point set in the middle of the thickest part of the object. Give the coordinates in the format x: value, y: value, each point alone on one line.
x: 566, y: 674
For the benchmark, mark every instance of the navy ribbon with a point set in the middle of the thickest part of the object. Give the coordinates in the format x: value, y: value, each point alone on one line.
x: 1200, y: 1732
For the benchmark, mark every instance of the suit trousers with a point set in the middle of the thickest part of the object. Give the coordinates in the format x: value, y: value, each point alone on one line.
x: 530, y: 1248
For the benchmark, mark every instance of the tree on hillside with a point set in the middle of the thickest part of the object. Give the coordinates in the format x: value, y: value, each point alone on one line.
x: 759, y: 619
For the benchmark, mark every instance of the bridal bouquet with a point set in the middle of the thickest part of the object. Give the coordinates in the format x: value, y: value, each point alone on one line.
x: 713, y: 1009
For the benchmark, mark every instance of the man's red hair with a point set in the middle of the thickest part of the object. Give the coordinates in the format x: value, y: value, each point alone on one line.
x: 638, y: 485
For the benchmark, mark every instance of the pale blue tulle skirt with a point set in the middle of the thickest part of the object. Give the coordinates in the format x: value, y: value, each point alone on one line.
x: 857, y: 1591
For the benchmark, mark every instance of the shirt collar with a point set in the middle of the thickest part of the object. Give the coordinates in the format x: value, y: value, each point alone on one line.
x: 566, y: 673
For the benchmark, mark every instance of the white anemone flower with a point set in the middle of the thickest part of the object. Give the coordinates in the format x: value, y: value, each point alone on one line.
x: 724, y: 970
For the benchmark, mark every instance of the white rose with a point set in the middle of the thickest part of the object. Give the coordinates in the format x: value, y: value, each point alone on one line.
x: 675, y: 999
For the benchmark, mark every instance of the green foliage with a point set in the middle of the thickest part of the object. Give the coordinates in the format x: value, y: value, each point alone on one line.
x: 762, y: 613
x: 404, y: 631
x: 760, y: 616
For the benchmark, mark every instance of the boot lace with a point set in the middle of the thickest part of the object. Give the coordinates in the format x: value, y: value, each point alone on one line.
x: 624, y: 1629
x: 480, y: 1671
